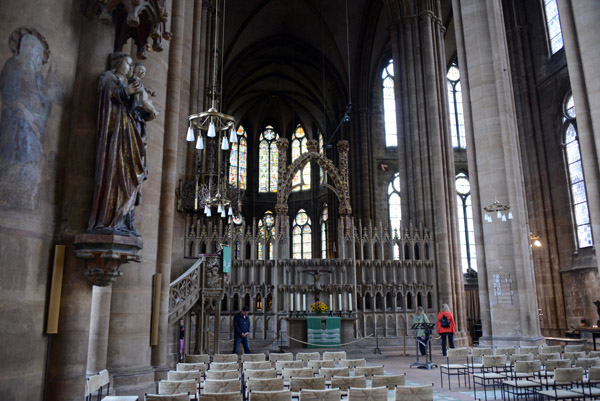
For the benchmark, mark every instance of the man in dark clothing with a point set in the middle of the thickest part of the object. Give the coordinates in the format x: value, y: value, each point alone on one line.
x: 241, y: 327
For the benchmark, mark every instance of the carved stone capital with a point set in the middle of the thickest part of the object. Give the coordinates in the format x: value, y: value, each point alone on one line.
x: 312, y: 145
x: 104, y: 254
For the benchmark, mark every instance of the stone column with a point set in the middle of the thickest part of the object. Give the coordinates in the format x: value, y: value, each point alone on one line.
x: 579, y: 23
x: 506, y: 278
x: 169, y: 179
x: 68, y: 350
x: 99, y: 324
x: 424, y: 145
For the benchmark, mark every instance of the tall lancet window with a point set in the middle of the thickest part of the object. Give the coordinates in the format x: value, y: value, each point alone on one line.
x: 455, y: 107
x: 389, y: 105
x: 301, y: 181
x: 394, y: 204
x: 324, y: 219
x: 267, y: 160
x: 266, y: 226
x: 576, y: 178
x: 301, y: 236
x: 465, y: 223
x: 238, y: 159
x: 553, y: 29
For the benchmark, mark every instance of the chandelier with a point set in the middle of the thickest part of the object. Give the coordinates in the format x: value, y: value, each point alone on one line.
x: 498, y: 209
x: 210, y: 130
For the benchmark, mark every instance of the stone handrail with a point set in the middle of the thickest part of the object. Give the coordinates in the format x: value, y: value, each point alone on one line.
x: 184, y: 292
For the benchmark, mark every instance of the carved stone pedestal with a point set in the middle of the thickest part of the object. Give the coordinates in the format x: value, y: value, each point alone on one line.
x: 104, y: 254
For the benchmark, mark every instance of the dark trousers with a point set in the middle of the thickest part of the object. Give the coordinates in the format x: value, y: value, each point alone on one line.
x: 423, y: 344
x: 244, y: 340
x: 450, y: 337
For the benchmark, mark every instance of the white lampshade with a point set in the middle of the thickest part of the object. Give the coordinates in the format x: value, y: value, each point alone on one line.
x: 233, y: 136
x: 499, y: 214
x: 224, y: 144
x: 219, y: 209
x: 190, y: 134
x: 207, y: 211
x: 200, y: 143
x: 503, y: 217
x: 211, y: 130
x: 223, y: 214
x: 230, y: 212
x: 509, y: 215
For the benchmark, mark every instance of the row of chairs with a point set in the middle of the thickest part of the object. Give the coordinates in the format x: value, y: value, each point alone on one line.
x: 260, y: 357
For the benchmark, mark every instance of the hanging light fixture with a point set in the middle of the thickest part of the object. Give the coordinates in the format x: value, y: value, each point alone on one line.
x: 213, y: 131
x: 498, y: 209
x: 534, y: 240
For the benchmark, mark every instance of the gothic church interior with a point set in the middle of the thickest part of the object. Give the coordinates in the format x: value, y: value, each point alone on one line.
x: 164, y: 163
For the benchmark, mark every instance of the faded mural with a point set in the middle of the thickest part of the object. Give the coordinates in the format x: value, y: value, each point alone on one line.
x: 27, y: 95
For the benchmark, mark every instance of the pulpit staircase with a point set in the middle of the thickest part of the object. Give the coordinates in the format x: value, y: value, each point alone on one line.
x: 184, y: 292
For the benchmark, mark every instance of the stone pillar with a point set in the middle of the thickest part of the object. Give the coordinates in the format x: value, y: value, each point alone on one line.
x: 424, y: 144
x: 507, y: 291
x: 579, y: 22
x: 99, y: 324
x: 169, y: 181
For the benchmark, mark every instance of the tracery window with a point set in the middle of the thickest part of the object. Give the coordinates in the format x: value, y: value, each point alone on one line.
x: 389, y: 105
x: 266, y: 225
x: 301, y: 180
x: 553, y: 25
x: 238, y: 159
x: 324, y: 220
x: 267, y: 160
x: 576, y: 177
x: 302, y: 236
x: 394, y: 204
x: 465, y: 223
x: 455, y: 107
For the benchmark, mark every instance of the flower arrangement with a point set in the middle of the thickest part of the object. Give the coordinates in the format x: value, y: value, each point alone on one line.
x: 318, y: 307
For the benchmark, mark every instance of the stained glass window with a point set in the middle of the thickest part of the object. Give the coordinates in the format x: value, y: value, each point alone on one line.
x: 576, y: 177
x: 324, y: 219
x: 301, y: 236
x: 455, y: 107
x: 389, y: 105
x: 267, y: 160
x: 238, y: 159
x: 394, y: 204
x: 266, y: 228
x: 301, y: 180
x: 553, y: 25
x: 465, y: 223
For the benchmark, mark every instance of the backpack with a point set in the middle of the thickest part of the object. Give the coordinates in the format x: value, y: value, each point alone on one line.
x: 444, y: 322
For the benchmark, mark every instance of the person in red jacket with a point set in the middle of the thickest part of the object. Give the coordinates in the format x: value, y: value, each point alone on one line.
x: 446, y: 327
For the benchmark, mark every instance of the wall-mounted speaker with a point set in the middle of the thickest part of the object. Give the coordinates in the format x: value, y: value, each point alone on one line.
x: 157, y: 284
x: 55, y: 289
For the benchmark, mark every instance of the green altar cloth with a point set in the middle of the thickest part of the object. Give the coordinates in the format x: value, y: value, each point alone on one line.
x: 330, y: 336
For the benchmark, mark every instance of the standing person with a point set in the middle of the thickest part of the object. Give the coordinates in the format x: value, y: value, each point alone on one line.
x: 422, y: 334
x: 446, y: 327
x: 241, y: 328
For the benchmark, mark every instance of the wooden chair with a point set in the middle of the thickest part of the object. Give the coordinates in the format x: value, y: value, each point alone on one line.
x: 390, y: 381
x: 320, y: 395
x: 254, y: 357
x: 222, y: 386
x: 167, y: 397
x: 184, y: 367
x: 543, y: 357
x: 197, y: 358
x: 368, y: 394
x: 232, y: 396
x: 524, y: 383
x: 414, y: 393
x: 477, y: 354
x: 508, y: 351
x: 550, y: 349
x: 493, y: 374
x: 288, y: 373
x: 221, y: 358
x: 575, y: 348
x: 280, y: 365
x: 280, y: 395
x: 270, y: 384
x: 222, y: 374
x: 308, y: 356
x: 547, y: 375
x: 369, y: 371
x: 534, y: 349
x: 573, y: 356
x: 259, y: 374
x: 287, y: 356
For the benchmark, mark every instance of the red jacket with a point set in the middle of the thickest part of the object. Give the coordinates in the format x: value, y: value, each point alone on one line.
x: 451, y: 329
